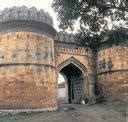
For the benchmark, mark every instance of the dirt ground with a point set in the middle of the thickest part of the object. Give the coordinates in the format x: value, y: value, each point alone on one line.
x: 116, y: 111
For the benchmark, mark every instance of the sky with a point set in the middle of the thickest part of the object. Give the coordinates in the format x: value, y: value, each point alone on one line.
x: 39, y: 4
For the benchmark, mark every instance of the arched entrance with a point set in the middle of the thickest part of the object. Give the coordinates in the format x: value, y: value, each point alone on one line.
x: 62, y: 89
x: 75, y: 82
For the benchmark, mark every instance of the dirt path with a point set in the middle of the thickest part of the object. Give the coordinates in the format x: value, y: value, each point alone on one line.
x: 112, y: 112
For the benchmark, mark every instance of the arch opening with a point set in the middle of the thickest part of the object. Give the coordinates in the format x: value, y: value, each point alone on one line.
x: 62, y: 89
x: 73, y: 80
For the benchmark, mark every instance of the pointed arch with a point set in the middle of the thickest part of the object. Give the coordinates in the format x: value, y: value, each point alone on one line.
x: 75, y: 92
x: 73, y: 61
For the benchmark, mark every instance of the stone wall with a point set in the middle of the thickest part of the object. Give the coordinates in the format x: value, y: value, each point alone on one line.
x: 26, y: 65
x: 30, y: 60
x: 68, y: 52
x: 112, y: 71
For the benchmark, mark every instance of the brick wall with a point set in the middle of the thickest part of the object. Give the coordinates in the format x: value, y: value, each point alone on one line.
x: 112, y: 70
x: 26, y: 65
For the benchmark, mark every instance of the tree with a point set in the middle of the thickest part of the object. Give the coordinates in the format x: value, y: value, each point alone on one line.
x: 94, y: 17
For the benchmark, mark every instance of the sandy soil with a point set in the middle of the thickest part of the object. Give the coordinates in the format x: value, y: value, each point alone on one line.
x: 108, y: 112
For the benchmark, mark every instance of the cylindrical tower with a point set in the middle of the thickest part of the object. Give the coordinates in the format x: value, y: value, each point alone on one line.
x: 27, y: 67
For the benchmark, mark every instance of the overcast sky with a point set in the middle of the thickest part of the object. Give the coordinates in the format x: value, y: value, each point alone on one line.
x: 39, y: 4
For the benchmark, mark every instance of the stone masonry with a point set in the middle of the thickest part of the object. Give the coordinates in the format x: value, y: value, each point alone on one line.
x: 32, y: 55
x: 27, y: 60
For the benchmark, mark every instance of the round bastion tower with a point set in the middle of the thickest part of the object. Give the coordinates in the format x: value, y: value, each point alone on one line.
x: 27, y: 66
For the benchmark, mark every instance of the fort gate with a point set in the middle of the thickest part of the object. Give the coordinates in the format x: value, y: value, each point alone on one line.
x: 31, y: 59
x: 75, y: 64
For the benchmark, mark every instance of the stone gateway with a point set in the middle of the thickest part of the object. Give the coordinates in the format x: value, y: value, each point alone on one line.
x: 32, y: 55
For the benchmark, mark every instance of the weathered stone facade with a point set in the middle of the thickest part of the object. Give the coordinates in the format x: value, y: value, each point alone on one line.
x: 81, y: 57
x: 111, y: 62
x: 27, y: 60
x: 112, y: 71
x: 31, y: 59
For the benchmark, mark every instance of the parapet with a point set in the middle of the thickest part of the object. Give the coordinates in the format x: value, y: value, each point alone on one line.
x: 21, y: 19
x: 65, y: 37
x: 24, y: 13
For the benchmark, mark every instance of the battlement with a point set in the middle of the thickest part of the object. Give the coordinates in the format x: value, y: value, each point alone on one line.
x: 65, y: 37
x: 23, y: 19
x: 24, y: 13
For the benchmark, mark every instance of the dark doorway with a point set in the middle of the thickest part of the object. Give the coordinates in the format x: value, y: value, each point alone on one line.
x: 75, y: 83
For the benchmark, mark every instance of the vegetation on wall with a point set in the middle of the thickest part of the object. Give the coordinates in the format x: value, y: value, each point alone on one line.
x: 95, y: 18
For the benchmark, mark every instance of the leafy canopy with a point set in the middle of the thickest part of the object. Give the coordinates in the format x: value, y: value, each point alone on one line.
x: 94, y: 17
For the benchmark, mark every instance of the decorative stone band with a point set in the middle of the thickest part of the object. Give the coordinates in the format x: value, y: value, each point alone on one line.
x: 25, y: 64
x: 111, y: 71
x: 27, y: 25
x: 24, y: 13
x: 28, y: 110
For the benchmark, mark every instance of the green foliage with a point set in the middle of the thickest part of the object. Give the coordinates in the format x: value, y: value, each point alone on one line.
x: 92, y: 16
x: 92, y: 41
x: 118, y: 36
